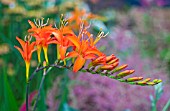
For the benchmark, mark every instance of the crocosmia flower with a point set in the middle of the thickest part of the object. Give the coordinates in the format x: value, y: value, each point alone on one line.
x: 26, y: 52
x: 62, y: 41
x: 83, y: 51
x: 42, y: 34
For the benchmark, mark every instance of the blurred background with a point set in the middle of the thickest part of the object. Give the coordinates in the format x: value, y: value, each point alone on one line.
x: 139, y: 35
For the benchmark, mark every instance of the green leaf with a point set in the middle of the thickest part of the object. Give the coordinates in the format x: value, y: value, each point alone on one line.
x: 167, y: 106
x: 41, y: 103
x: 9, y: 101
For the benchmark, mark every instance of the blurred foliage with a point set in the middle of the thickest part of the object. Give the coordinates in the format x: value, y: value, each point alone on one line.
x: 154, y: 99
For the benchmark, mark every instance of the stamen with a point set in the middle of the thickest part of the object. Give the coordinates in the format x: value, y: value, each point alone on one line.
x: 55, y: 25
x: 40, y: 22
x: 81, y: 29
x: 46, y: 22
x: 63, y: 21
x: 99, y: 36
x: 87, y: 27
x: 27, y: 38
x: 91, y: 36
x: 35, y: 21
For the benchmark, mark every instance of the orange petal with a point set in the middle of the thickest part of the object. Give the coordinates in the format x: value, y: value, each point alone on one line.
x: 78, y: 64
x: 19, y: 49
x: 57, y: 35
x: 94, y: 51
x: 72, y: 54
x: 62, y: 51
x: 67, y: 30
x: 30, y: 54
x: 84, y: 45
x: 75, y: 41
x: 31, y: 46
x: 90, y: 56
x: 21, y: 42
x: 25, y: 50
x: 32, y: 24
x: 53, y: 42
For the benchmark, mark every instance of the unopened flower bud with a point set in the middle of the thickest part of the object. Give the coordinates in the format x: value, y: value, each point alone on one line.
x: 134, y: 79
x: 99, y: 60
x: 150, y: 83
x: 125, y: 73
x: 111, y: 57
x: 119, y: 68
x: 147, y: 79
x: 141, y: 83
x: 113, y: 61
x: 107, y: 67
x: 157, y: 81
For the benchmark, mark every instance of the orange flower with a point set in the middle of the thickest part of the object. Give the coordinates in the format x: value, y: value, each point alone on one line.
x: 77, y: 15
x: 42, y: 34
x: 26, y: 52
x: 82, y: 51
x: 62, y: 41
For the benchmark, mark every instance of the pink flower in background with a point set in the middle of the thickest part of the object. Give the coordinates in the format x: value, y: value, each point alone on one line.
x: 103, y: 94
x: 30, y: 99
x: 159, y: 3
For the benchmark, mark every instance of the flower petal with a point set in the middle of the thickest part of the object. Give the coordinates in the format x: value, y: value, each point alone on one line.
x: 32, y: 24
x: 62, y: 51
x: 19, y: 49
x: 94, y: 51
x: 90, y: 56
x: 72, y: 54
x: 78, y: 64
x: 57, y: 35
x: 21, y: 42
x: 74, y: 40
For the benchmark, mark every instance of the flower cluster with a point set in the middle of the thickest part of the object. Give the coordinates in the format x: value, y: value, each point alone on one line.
x: 82, y: 47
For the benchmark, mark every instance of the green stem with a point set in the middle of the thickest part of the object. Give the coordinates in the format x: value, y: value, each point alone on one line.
x: 41, y: 84
x: 35, y: 71
x: 27, y: 93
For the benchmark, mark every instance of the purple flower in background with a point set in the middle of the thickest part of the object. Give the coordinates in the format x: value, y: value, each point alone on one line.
x: 160, y: 3
x: 99, y: 93
x: 103, y: 94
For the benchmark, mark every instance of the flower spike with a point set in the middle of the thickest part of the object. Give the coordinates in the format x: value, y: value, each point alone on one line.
x: 82, y: 47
